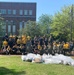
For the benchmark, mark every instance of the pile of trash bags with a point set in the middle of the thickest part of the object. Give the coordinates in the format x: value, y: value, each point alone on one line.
x: 48, y: 59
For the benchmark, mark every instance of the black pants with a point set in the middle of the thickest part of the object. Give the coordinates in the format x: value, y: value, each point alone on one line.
x: 65, y: 50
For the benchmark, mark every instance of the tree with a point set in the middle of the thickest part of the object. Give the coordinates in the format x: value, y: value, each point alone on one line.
x: 62, y: 22
x: 31, y: 29
x: 1, y: 25
x: 44, y: 23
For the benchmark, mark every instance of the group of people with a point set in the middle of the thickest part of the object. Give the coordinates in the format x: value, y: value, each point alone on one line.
x: 39, y: 44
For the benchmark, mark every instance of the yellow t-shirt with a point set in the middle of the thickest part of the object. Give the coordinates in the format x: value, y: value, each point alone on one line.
x: 66, y: 46
x: 24, y: 40
x: 5, y: 43
x: 18, y: 41
x: 39, y: 47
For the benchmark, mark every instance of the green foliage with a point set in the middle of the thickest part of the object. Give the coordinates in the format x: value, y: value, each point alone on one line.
x: 44, y: 23
x: 61, y: 25
x: 41, y: 28
x: 31, y: 29
x: 62, y: 22
x: 1, y: 26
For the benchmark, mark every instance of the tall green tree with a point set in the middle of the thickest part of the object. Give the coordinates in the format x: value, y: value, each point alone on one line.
x: 1, y: 25
x: 62, y: 22
x: 44, y: 22
x: 31, y: 29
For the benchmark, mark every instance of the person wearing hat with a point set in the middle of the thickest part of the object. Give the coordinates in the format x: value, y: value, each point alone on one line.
x: 24, y: 40
x: 19, y: 41
x: 28, y: 37
x: 10, y: 36
x: 5, y: 45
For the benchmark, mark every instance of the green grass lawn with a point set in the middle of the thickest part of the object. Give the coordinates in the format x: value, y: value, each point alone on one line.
x: 13, y: 65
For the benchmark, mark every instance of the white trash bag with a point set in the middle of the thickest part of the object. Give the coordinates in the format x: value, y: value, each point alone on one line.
x: 37, y: 59
x: 23, y: 57
x: 30, y: 56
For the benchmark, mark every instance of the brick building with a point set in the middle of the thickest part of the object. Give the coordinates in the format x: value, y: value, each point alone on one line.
x: 16, y: 14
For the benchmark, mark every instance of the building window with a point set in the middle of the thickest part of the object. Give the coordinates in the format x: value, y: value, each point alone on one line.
x: 30, y: 12
x: 21, y: 12
x: 3, y: 11
x: 9, y: 28
x: 21, y: 25
x: 14, y: 28
x: 25, y: 12
x: 9, y: 11
x: 14, y: 12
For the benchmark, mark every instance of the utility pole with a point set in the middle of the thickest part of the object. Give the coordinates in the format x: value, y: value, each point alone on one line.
x: 71, y: 22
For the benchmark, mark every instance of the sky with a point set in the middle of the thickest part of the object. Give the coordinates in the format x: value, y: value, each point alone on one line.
x: 49, y: 7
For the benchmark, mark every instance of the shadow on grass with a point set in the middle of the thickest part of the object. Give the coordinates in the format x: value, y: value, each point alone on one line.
x: 5, y: 71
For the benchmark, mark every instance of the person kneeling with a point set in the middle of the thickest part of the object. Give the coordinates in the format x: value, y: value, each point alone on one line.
x: 8, y: 50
